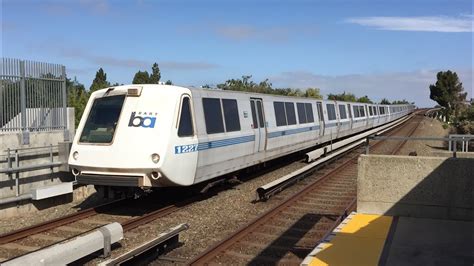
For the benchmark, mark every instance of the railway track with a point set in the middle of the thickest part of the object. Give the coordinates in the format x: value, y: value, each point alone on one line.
x: 130, y: 213
x: 288, y: 232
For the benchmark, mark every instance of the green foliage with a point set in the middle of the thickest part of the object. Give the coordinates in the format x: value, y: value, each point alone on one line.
x: 364, y: 99
x: 248, y: 85
x: 313, y: 93
x: 400, y: 102
x: 448, y: 92
x: 100, y: 81
x: 77, y: 97
x: 141, y: 78
x: 169, y: 82
x: 155, y: 74
x: 385, y: 101
x: 347, y: 97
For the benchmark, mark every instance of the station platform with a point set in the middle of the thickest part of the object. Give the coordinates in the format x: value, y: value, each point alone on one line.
x: 365, y: 239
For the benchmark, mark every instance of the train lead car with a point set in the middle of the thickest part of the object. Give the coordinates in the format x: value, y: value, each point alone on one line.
x: 145, y: 136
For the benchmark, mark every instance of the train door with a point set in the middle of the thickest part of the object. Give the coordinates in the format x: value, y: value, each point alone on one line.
x: 319, y: 106
x: 350, y: 115
x: 259, y: 126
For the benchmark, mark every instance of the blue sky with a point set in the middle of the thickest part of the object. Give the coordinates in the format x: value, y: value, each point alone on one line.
x: 389, y: 49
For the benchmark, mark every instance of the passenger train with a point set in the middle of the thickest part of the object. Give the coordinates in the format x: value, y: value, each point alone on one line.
x: 146, y: 136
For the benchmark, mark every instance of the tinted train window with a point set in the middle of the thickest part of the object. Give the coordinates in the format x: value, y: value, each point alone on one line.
x: 280, y: 115
x: 102, y: 120
x: 185, y: 120
x: 342, y: 112
x: 213, y: 115
x: 254, y: 114
x: 301, y: 113
x: 356, y: 111
x: 370, y: 111
x: 290, y: 113
x: 331, y: 111
x: 309, y: 113
x: 362, y: 111
x: 260, y: 113
x: 231, y: 115
x: 381, y: 110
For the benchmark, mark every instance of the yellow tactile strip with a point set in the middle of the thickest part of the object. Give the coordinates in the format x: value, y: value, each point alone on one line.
x: 359, y: 240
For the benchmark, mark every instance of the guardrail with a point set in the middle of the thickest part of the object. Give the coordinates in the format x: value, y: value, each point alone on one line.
x: 453, y: 140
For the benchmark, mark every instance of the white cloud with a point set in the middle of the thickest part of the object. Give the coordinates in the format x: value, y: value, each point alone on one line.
x: 412, y: 86
x: 437, y: 23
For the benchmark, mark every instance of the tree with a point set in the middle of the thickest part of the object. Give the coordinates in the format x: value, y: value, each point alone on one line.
x: 448, y: 92
x: 384, y: 101
x: 347, y: 97
x: 364, y: 99
x: 400, y: 102
x: 100, y: 81
x: 77, y: 98
x: 313, y: 93
x: 141, y: 78
x: 155, y: 74
x: 169, y: 82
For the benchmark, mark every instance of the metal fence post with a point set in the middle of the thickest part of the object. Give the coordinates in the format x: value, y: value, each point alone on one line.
x: 64, y: 93
x: 24, y: 129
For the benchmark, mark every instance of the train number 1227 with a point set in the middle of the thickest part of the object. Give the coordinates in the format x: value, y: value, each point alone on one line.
x: 185, y: 148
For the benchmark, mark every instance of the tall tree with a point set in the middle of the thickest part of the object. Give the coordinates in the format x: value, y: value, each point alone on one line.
x: 100, y: 81
x: 313, y: 93
x: 385, y: 101
x: 364, y: 99
x: 141, y: 77
x: 448, y: 92
x: 347, y: 97
x: 77, y: 98
x: 169, y: 82
x: 155, y: 74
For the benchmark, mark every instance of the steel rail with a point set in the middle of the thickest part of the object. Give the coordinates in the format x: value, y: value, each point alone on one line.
x: 220, y: 247
x: 52, y: 224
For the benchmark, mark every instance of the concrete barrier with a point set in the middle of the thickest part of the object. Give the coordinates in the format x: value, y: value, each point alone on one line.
x: 425, y: 187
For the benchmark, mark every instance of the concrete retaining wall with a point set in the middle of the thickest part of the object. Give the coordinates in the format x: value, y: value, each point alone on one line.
x: 425, y: 187
x: 37, y: 178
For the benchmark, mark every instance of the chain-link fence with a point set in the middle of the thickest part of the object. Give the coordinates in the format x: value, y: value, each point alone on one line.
x: 32, y: 97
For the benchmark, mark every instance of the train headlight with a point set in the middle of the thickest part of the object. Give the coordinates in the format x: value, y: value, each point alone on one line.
x: 75, y: 155
x: 155, y: 157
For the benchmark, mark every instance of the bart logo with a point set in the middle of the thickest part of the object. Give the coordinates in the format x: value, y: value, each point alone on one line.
x: 142, y: 121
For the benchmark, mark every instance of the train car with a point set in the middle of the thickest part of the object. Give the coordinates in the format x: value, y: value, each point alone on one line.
x: 146, y: 136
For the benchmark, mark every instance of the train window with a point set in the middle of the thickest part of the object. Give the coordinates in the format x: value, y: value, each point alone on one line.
x: 301, y: 113
x: 370, y: 111
x: 102, y: 120
x: 280, y: 115
x: 375, y: 110
x: 342, y: 111
x: 356, y: 111
x: 231, y: 115
x: 362, y: 111
x: 254, y: 114
x: 309, y: 113
x: 213, y: 115
x: 381, y: 109
x: 290, y: 113
x: 331, y: 111
x: 185, y: 127
x: 260, y: 113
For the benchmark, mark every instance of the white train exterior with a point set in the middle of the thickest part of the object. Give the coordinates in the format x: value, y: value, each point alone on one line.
x: 159, y: 135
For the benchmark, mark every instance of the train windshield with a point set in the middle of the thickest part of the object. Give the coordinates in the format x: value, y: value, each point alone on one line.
x: 102, y: 120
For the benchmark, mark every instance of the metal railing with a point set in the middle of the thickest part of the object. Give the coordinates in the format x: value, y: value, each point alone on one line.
x: 13, y: 159
x: 453, y: 141
x: 32, y: 97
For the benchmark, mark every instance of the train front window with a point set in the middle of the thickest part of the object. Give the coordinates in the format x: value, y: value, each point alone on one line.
x: 102, y: 120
